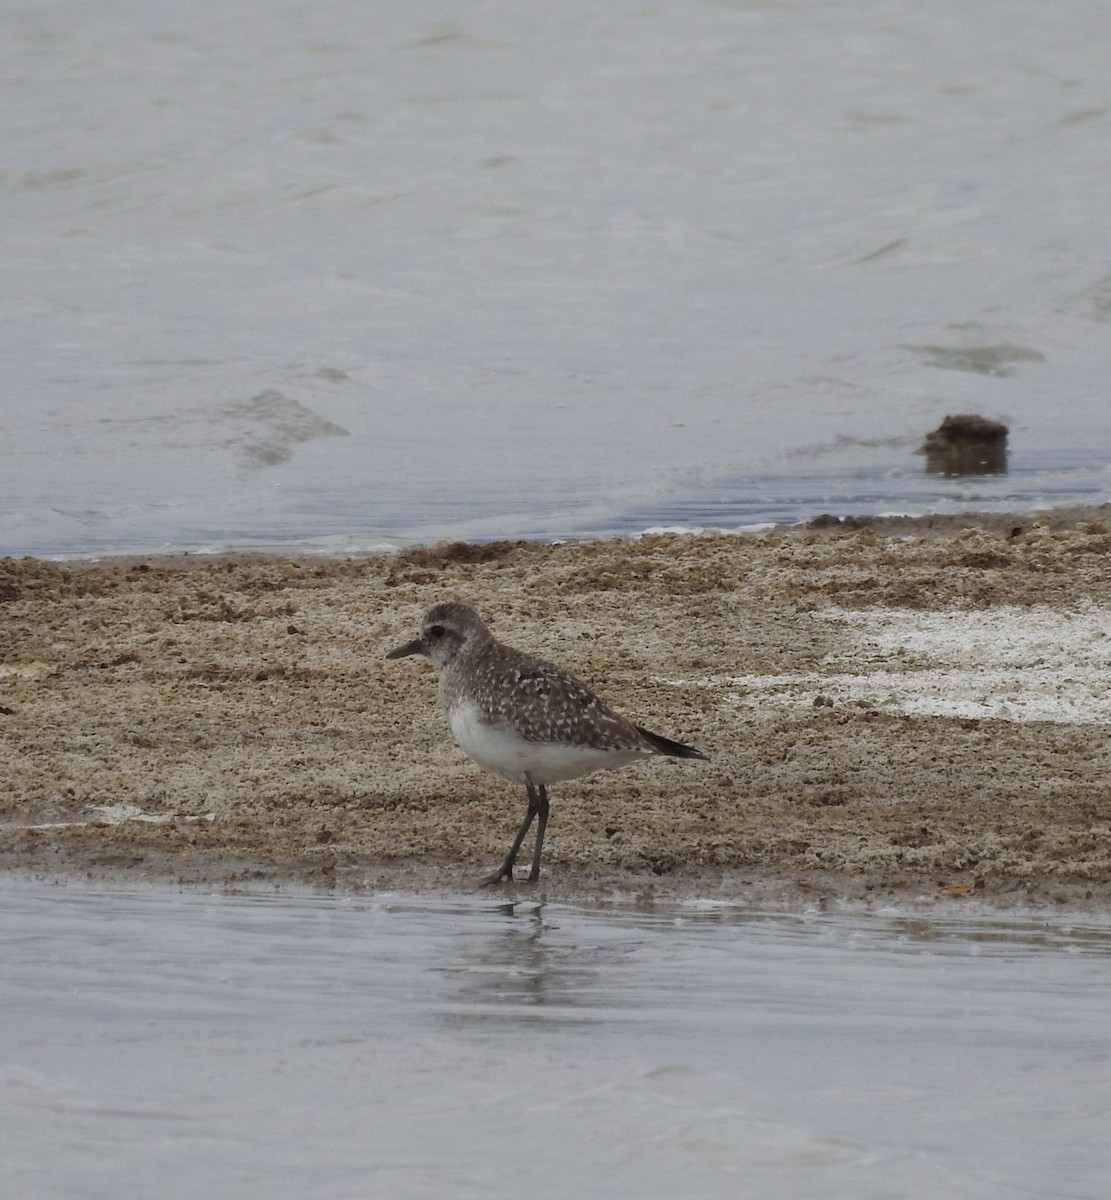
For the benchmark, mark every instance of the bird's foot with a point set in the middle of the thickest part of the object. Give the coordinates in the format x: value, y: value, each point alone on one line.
x: 505, y: 875
x: 497, y: 877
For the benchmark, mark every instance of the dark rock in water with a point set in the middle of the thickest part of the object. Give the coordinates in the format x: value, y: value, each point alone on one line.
x: 966, y: 444
x: 829, y: 521
x: 968, y: 427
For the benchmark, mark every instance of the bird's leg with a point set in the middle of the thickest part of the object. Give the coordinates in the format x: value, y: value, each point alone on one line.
x: 505, y: 871
x: 541, y: 825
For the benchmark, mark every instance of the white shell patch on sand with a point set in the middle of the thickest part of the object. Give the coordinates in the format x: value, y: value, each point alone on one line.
x: 1008, y: 663
x: 119, y: 814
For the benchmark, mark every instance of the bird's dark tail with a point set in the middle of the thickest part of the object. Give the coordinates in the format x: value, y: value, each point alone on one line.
x: 667, y: 746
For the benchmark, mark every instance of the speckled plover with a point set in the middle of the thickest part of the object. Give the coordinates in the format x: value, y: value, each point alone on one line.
x: 523, y: 718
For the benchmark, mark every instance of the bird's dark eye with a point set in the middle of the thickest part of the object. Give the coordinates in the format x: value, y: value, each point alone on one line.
x: 436, y: 631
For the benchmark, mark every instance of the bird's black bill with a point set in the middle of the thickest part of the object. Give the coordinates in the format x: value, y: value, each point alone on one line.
x: 668, y: 747
x: 416, y: 646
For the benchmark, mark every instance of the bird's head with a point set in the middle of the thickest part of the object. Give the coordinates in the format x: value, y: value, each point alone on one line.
x: 447, y: 631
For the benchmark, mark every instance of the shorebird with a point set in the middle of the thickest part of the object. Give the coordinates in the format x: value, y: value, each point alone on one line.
x: 523, y: 718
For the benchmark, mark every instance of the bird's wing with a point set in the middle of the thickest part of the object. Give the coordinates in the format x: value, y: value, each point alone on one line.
x: 552, y: 706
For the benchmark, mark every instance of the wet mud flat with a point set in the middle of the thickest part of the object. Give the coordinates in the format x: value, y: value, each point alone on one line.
x: 889, y: 709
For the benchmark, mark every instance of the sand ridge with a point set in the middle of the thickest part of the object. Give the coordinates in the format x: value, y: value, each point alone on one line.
x: 235, y: 719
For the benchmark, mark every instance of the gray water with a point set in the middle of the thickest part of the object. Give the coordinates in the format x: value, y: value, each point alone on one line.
x: 349, y: 275
x: 174, y: 1044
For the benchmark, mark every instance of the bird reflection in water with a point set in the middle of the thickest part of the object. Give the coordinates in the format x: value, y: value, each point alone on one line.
x: 521, y: 972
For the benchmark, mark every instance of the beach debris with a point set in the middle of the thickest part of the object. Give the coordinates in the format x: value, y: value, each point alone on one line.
x: 966, y: 444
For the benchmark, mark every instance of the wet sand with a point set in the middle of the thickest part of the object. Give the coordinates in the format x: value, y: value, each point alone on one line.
x: 234, y: 722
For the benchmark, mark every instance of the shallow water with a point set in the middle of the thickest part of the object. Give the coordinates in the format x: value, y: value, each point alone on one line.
x: 350, y: 275
x: 168, y: 1043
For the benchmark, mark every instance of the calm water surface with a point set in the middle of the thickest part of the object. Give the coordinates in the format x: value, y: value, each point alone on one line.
x: 174, y: 1044
x: 351, y: 275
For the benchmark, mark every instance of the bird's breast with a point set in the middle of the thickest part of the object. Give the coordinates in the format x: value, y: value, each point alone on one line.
x: 498, y: 747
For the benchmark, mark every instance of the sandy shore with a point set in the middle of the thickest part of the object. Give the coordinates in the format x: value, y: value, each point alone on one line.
x: 890, y: 708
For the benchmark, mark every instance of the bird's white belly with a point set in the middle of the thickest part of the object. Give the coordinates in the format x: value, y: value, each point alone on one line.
x: 499, y: 749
